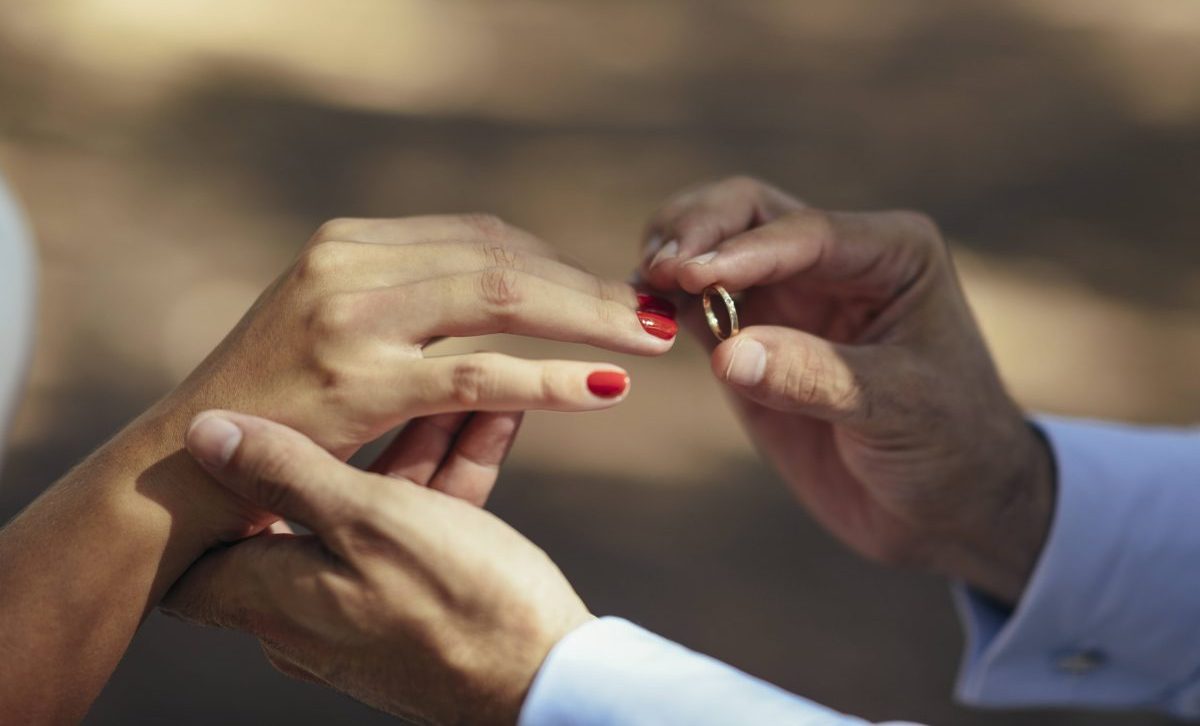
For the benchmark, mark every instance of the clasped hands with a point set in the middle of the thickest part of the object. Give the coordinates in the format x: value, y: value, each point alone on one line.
x: 859, y: 372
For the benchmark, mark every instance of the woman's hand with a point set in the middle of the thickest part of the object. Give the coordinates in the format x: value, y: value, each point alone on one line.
x: 863, y: 376
x: 411, y: 601
x: 336, y: 346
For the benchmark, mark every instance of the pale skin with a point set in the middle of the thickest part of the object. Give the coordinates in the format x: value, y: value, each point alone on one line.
x: 336, y: 349
x: 874, y: 395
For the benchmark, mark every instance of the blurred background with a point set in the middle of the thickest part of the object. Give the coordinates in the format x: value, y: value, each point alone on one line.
x: 174, y: 155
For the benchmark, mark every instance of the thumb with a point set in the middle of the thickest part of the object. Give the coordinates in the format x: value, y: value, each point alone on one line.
x: 790, y: 370
x: 273, y: 467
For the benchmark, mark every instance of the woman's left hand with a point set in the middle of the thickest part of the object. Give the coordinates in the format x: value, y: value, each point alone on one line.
x: 335, y: 347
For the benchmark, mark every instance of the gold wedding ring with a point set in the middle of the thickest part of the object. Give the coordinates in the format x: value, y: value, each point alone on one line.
x: 714, y: 324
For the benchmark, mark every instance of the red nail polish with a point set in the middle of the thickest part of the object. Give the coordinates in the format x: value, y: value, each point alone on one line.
x: 607, y: 384
x: 657, y: 325
x: 655, y: 304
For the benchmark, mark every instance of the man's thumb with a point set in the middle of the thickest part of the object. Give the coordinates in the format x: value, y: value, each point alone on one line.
x: 272, y: 466
x: 790, y: 370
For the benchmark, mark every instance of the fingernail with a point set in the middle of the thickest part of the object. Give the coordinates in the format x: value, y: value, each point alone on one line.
x: 747, y: 364
x: 703, y: 259
x: 668, y: 251
x: 657, y: 325
x: 648, y: 303
x: 653, y: 245
x: 608, y: 384
x: 213, y: 440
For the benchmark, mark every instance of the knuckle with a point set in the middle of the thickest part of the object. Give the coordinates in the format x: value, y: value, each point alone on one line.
x: 672, y: 209
x: 921, y: 225
x: 500, y: 288
x: 801, y: 378
x: 339, y: 228
x: 816, y: 380
x: 472, y: 380
x: 808, y: 380
x: 609, y: 291
x: 334, y: 375
x: 554, y: 386
x: 321, y: 262
x: 698, y: 225
x: 816, y: 222
x: 500, y: 257
x: 743, y: 184
x: 607, y: 312
x: 332, y: 316
x: 488, y: 226
x: 922, y: 240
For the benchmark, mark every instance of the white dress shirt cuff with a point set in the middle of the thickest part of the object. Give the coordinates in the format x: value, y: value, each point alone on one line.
x: 1110, y: 615
x: 610, y: 671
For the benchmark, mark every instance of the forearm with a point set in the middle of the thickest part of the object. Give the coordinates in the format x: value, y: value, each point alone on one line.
x: 83, y: 564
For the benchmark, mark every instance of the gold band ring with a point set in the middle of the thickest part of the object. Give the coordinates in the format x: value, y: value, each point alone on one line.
x: 713, y: 323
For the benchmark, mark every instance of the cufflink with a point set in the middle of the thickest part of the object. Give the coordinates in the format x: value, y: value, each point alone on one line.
x: 1080, y: 662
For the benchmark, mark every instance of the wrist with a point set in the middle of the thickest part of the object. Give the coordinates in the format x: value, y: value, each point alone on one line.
x: 502, y: 688
x: 997, y: 553
x: 152, y: 469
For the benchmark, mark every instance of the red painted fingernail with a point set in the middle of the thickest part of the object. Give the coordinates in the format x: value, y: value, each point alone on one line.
x: 657, y: 325
x: 608, y: 384
x: 655, y: 304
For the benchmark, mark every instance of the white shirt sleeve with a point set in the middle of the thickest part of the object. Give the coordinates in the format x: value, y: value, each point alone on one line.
x: 16, y: 307
x: 610, y: 672
x: 1111, y: 615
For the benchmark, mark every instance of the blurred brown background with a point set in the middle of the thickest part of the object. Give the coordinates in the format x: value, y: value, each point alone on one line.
x: 173, y: 156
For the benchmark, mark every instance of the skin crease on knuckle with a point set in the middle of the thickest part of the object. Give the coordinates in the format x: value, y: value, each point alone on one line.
x: 501, y: 290
x: 498, y: 256
x: 802, y: 379
x: 607, y: 314
x: 555, y: 386
x: 471, y: 381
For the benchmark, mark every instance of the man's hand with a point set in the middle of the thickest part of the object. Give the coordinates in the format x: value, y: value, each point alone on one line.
x: 863, y: 376
x: 408, y: 599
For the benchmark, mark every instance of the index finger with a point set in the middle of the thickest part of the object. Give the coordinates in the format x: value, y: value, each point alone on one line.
x: 875, y: 254
x: 699, y: 219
